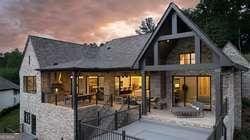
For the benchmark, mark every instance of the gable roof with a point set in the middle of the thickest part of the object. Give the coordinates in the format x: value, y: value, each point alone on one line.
x: 7, y: 85
x: 233, y: 53
x: 192, y: 26
x: 116, y: 54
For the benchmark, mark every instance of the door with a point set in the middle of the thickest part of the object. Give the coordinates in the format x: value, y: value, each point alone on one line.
x: 187, y: 89
x: 178, y: 92
x: 33, y: 124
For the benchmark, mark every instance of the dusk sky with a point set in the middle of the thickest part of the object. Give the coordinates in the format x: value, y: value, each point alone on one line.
x: 76, y: 20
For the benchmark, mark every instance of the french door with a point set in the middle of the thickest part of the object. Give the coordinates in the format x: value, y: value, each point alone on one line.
x: 187, y: 89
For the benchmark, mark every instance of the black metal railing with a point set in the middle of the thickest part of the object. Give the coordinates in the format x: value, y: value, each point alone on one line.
x: 118, y: 119
x: 83, y: 100
x: 91, y: 132
x: 219, y: 129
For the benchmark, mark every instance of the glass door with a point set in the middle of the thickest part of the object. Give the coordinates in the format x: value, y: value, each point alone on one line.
x: 178, y: 92
x: 190, y: 90
x: 204, y: 91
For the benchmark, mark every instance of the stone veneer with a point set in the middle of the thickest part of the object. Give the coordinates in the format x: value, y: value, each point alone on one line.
x: 52, y: 122
x: 246, y: 84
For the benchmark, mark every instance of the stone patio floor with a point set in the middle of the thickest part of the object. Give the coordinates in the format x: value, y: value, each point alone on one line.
x: 167, y: 117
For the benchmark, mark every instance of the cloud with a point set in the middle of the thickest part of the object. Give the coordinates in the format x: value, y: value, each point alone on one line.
x: 75, y: 20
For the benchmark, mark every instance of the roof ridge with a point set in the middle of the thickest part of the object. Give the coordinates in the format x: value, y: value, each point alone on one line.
x: 57, y: 40
x: 130, y: 36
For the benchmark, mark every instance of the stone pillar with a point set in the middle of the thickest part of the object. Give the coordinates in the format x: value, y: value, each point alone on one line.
x: 237, y: 99
x: 109, y: 86
x: 218, y: 93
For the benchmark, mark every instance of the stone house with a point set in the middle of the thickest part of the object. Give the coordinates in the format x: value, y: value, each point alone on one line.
x: 177, y: 62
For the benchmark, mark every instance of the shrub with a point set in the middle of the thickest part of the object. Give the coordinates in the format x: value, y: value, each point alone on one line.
x: 245, y: 103
x: 8, y: 110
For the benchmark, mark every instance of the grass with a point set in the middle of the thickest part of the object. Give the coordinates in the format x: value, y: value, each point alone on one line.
x: 11, y: 119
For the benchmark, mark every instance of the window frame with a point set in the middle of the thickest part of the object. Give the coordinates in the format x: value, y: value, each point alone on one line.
x: 189, y: 60
x: 26, y: 89
x: 26, y: 117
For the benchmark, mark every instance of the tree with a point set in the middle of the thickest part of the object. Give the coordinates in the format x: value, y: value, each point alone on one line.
x: 9, y: 65
x: 147, y: 26
x: 224, y: 20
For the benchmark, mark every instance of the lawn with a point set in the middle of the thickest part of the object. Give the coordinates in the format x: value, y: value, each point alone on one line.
x: 10, y: 119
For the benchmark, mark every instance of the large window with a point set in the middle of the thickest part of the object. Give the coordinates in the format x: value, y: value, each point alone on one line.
x: 29, y: 84
x: 130, y: 85
x: 95, y: 84
x: 187, y: 58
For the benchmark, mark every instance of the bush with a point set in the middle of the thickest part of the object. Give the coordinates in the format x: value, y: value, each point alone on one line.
x: 8, y: 110
x: 245, y: 103
x: 244, y: 134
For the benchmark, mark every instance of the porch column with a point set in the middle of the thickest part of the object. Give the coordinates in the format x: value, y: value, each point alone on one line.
x: 74, y: 98
x: 218, y: 93
x: 144, y: 94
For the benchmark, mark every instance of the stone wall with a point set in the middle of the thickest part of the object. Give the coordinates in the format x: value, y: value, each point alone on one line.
x: 246, y: 84
x: 52, y: 122
x: 232, y: 91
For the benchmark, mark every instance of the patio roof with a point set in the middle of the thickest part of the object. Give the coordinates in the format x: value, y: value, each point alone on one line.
x: 116, y: 54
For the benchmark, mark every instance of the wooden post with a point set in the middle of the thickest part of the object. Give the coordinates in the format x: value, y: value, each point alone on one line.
x: 174, y: 23
x: 144, y: 94
x: 197, y: 50
x: 74, y: 95
x: 156, y: 53
x: 140, y: 112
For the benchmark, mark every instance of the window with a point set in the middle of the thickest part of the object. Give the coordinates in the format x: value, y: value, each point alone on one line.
x: 26, y: 117
x: 29, y: 84
x: 187, y: 58
x: 33, y: 124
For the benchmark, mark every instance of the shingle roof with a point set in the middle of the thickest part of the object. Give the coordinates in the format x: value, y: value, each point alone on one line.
x: 234, y: 55
x: 117, y: 53
x: 6, y: 84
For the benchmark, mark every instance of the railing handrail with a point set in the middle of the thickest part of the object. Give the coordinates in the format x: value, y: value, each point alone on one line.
x: 110, y: 131
x: 113, y: 114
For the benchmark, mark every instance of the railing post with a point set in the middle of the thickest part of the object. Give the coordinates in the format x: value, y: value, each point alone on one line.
x: 116, y: 120
x: 128, y: 102
x: 80, y: 130
x: 111, y: 100
x: 56, y: 98
x: 98, y: 118
x: 123, y: 135
x: 140, y: 111
x: 96, y: 99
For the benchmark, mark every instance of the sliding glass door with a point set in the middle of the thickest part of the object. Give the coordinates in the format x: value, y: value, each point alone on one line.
x: 187, y: 89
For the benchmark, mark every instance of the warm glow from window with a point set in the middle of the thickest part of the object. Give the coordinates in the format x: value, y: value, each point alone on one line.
x: 187, y: 58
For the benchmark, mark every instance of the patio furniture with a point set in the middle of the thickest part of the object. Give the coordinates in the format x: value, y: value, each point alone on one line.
x: 196, y: 110
x: 158, y: 103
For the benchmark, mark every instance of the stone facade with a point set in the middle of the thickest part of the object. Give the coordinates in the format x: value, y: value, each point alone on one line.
x: 245, y: 84
x: 52, y: 122
x: 232, y: 91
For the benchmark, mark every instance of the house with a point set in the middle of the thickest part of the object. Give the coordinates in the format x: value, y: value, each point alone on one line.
x: 9, y: 93
x: 60, y: 82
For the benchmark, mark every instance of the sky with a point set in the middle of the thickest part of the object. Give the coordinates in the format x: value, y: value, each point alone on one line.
x: 80, y: 21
